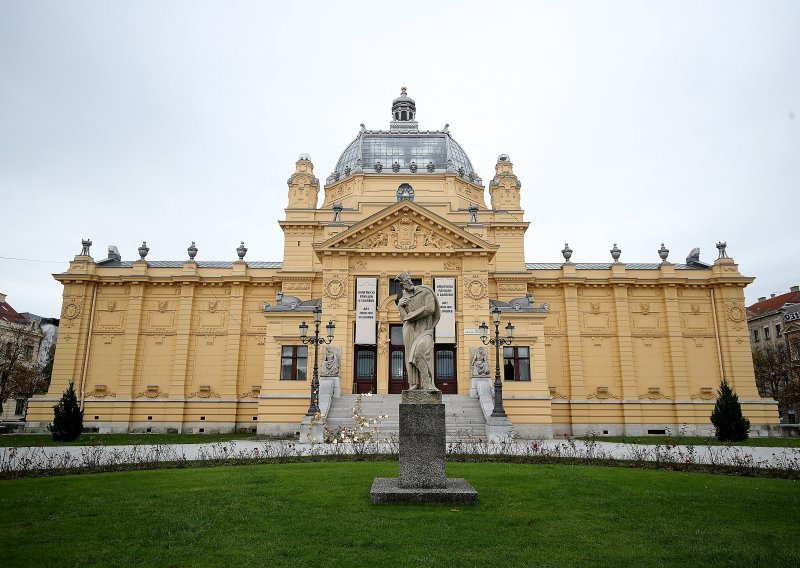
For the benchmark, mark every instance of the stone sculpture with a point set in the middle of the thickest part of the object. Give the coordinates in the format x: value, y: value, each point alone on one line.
x: 330, y: 365
x: 419, y: 311
x: 480, y: 364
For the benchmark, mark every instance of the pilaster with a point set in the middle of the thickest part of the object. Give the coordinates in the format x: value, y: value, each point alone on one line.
x: 183, y: 327
x: 676, y: 356
x: 234, y: 340
x: 130, y: 345
x: 577, y: 388
x: 631, y: 407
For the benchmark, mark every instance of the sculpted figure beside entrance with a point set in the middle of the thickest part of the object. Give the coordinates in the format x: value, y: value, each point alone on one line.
x: 419, y: 312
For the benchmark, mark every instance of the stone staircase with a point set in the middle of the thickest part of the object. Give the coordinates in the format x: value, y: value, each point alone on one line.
x: 463, y: 415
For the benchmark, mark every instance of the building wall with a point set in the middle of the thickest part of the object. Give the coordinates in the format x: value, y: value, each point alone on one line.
x: 620, y: 350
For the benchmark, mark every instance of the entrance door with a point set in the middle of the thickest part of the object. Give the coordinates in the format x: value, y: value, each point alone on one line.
x: 366, y: 378
x: 398, y: 377
x: 445, y: 365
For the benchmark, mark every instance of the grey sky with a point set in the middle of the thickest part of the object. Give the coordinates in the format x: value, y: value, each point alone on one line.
x: 628, y: 122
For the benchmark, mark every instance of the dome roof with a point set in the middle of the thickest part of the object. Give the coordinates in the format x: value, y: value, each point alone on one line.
x: 403, y: 149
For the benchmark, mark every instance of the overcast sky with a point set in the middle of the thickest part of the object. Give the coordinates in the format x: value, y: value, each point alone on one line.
x: 629, y: 122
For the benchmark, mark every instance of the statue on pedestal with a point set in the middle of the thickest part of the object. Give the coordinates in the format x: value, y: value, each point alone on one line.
x: 419, y: 311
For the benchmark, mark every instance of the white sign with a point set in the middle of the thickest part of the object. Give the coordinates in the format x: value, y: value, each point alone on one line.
x: 445, y: 289
x: 472, y: 331
x: 366, y: 300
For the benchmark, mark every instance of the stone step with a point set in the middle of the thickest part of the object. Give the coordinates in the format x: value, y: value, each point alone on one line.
x: 463, y: 415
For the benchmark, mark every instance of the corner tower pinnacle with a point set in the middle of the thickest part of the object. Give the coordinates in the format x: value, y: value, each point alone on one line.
x: 404, y: 109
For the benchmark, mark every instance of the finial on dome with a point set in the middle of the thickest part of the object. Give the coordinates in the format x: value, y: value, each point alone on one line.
x: 403, y: 89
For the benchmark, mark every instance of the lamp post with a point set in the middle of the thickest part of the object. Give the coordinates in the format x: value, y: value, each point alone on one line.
x: 498, y: 410
x: 313, y: 408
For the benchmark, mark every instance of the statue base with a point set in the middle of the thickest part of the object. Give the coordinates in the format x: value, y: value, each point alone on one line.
x: 423, y: 468
x: 421, y: 397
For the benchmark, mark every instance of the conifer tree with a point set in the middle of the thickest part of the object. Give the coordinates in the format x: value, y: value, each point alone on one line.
x: 68, y: 417
x: 727, y: 416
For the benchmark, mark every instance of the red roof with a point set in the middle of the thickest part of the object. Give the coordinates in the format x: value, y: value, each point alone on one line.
x: 7, y: 313
x: 772, y: 304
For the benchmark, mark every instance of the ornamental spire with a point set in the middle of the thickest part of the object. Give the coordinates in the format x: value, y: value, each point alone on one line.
x: 404, y: 109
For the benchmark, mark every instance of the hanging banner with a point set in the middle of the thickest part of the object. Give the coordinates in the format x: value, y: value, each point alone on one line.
x: 445, y: 289
x: 366, y: 301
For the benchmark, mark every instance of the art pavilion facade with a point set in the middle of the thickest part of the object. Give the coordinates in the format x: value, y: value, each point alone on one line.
x: 214, y: 346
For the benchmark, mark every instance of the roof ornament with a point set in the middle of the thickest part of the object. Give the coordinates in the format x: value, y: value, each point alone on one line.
x: 473, y: 213
x: 192, y: 250
x: 413, y: 167
x: 304, y: 156
x: 143, y: 250
x: 113, y: 253
x: 431, y: 167
x: 337, y: 213
x: 663, y: 252
x: 694, y: 256
x: 721, y: 245
x: 396, y: 166
x: 241, y: 250
x: 567, y: 252
x: 85, y: 245
x: 615, y: 253
x: 446, y: 128
x: 363, y: 128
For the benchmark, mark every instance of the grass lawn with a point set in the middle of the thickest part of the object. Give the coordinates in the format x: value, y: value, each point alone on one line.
x: 697, y: 441
x: 318, y: 514
x: 19, y: 440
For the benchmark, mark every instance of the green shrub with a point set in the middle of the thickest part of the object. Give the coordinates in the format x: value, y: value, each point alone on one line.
x: 727, y: 416
x: 68, y: 417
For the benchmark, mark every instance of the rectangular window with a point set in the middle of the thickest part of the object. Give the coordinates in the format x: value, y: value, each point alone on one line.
x: 20, y: 407
x: 755, y: 336
x: 516, y: 364
x: 778, y: 330
x: 294, y: 362
x: 396, y: 288
x: 766, y: 333
x: 28, y: 352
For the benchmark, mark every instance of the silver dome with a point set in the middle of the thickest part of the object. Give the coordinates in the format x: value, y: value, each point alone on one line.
x: 416, y: 152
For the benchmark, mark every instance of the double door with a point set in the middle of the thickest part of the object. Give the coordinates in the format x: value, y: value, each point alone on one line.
x: 444, y: 357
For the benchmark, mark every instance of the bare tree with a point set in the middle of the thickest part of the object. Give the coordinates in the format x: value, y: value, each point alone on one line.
x: 772, y: 368
x: 18, y: 342
x: 32, y: 380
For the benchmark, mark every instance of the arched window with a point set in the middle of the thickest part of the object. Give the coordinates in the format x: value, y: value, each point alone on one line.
x: 405, y: 192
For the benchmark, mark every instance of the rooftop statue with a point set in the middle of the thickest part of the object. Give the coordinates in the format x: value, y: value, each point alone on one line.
x: 419, y: 311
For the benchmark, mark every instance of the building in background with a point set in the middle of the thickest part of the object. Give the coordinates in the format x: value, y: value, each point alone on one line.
x: 25, y: 341
x: 765, y: 319
x: 610, y: 347
x: 774, y: 326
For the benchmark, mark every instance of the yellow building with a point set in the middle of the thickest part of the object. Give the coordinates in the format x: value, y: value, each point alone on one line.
x: 609, y: 347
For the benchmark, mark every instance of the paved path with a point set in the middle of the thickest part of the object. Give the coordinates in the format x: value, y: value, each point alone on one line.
x: 54, y: 457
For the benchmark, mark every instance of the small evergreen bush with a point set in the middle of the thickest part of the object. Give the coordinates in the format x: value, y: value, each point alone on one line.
x: 727, y: 416
x: 68, y: 417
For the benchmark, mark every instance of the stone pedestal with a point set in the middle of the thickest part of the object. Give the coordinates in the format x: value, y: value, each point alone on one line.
x: 423, y: 467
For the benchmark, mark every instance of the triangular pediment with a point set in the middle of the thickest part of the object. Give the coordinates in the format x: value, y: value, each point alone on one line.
x: 405, y: 227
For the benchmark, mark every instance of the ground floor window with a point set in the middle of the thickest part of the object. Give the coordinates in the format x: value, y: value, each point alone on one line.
x: 20, y: 408
x: 516, y: 364
x: 294, y: 362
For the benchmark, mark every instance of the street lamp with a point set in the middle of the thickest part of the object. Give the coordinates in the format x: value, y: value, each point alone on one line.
x: 498, y: 410
x: 313, y: 408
